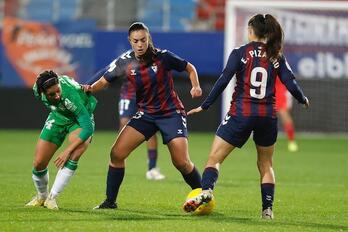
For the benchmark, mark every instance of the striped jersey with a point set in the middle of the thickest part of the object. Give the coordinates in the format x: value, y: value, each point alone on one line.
x: 254, y: 91
x: 153, y: 84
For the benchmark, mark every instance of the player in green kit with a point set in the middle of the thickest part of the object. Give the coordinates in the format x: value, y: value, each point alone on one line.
x: 71, y: 115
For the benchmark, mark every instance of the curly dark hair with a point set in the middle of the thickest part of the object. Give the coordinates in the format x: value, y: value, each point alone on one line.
x: 45, y: 80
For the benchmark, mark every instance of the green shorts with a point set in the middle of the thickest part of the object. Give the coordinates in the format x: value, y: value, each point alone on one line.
x: 57, y: 128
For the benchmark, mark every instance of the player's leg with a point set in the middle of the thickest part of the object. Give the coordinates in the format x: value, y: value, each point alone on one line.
x: 153, y: 173
x: 174, y: 134
x: 289, y: 128
x: 40, y: 175
x: 66, y: 173
x: 283, y: 106
x: 129, y: 138
x: 265, y: 136
x: 178, y: 149
x: 219, y: 151
x: 267, y: 179
x: 51, y: 137
x: 232, y: 132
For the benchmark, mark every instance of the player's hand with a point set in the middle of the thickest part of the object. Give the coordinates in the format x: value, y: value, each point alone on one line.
x: 196, y: 92
x: 306, y: 104
x: 62, y: 159
x: 195, y: 110
x: 86, y: 88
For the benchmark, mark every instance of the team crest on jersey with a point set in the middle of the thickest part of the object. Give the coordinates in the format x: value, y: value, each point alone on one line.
x: 53, y: 108
x: 154, y: 68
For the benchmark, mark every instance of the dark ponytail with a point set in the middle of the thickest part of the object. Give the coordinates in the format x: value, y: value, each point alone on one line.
x: 268, y: 28
x: 151, y: 52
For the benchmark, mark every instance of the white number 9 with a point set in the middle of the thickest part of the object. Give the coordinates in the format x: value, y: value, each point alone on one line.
x: 258, y: 89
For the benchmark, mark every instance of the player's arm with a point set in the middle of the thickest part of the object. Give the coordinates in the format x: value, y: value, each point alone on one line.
x: 225, y: 77
x: 196, y: 90
x: 288, y: 79
x: 103, y: 77
x: 174, y: 62
x: 86, y: 124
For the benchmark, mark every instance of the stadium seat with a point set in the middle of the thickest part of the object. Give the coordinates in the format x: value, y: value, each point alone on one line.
x: 153, y: 13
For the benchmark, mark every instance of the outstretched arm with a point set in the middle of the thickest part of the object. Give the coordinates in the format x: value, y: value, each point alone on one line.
x: 196, y: 90
x: 102, y: 83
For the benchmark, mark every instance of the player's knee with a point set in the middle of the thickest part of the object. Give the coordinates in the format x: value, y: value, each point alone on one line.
x: 39, y: 165
x: 117, y: 155
x: 183, y: 165
x: 264, y: 166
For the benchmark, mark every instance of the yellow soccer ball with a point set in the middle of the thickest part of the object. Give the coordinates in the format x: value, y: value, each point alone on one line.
x: 204, y: 209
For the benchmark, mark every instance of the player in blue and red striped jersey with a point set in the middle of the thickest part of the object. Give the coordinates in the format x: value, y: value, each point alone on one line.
x: 127, y: 107
x: 159, y: 108
x: 252, y: 109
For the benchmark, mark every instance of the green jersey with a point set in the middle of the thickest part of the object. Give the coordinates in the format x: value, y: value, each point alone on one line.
x: 74, y: 106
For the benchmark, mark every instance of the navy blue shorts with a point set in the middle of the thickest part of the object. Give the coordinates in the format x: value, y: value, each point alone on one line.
x: 170, y: 127
x: 127, y: 108
x: 236, y: 130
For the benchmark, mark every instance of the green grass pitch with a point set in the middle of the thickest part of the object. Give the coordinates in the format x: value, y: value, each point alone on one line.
x: 311, y: 189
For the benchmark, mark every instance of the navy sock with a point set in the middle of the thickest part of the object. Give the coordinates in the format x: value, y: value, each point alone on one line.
x: 152, y: 156
x: 113, y: 182
x: 267, y: 192
x: 209, y: 178
x: 193, y: 179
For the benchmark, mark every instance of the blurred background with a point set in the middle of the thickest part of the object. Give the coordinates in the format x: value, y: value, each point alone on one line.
x: 79, y: 37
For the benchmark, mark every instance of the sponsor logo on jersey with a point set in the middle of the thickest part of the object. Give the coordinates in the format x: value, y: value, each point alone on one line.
x: 69, y: 105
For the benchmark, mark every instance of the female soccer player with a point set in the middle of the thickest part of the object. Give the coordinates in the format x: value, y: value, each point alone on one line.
x: 127, y: 107
x: 256, y: 66
x: 159, y: 108
x: 71, y: 113
x: 283, y: 107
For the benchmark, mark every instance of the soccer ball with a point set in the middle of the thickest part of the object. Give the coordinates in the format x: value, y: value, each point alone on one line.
x: 204, y: 209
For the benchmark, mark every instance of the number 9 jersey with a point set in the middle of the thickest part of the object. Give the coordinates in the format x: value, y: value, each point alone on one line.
x: 254, y: 91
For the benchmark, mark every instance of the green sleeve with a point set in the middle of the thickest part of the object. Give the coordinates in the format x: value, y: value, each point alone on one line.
x: 85, y: 121
x: 75, y: 106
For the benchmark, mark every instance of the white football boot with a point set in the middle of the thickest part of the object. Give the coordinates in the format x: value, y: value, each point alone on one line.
x: 267, y: 214
x: 50, y: 203
x: 36, y: 201
x: 154, y: 174
x: 193, y: 203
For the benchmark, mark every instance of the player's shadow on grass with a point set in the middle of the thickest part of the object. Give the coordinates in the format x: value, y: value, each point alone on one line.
x: 259, y: 221
x: 143, y: 215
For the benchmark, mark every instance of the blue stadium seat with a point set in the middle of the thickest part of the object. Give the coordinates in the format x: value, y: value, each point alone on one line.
x: 181, y: 12
x: 39, y: 10
x: 44, y: 10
